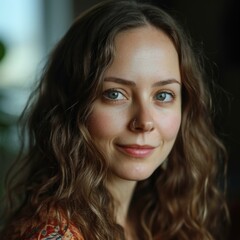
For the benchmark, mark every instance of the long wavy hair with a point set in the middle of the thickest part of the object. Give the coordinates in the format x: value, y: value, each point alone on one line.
x: 63, y: 170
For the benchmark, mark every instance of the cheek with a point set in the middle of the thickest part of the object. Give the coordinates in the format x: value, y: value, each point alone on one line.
x: 103, y: 124
x: 169, y: 126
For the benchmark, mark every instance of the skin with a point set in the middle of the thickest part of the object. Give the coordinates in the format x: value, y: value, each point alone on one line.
x: 143, y: 85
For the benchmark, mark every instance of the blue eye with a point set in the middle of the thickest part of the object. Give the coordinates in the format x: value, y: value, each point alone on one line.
x: 164, y: 96
x: 113, y: 94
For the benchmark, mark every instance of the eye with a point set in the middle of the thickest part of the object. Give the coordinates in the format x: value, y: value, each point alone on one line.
x: 113, y: 94
x: 164, y: 96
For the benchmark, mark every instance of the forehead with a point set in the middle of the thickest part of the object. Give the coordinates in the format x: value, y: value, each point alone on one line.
x: 146, y: 41
x: 146, y: 33
x: 144, y: 51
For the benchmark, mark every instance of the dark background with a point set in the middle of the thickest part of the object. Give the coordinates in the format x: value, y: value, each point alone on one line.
x: 214, y: 26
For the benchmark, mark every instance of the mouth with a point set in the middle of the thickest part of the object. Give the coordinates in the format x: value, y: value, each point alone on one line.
x: 136, y: 151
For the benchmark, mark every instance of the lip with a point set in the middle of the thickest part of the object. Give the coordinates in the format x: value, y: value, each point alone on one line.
x: 136, y: 151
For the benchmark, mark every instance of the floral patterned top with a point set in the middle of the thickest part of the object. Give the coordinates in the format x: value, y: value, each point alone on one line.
x: 51, y: 230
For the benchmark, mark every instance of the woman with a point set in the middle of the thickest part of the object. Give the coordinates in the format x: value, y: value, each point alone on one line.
x: 121, y: 144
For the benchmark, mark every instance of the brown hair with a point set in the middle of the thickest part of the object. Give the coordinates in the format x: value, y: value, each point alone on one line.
x: 63, y: 168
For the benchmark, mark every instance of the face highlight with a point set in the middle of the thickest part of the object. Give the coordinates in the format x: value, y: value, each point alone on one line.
x: 136, y: 120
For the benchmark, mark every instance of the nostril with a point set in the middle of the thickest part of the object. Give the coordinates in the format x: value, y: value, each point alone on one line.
x: 144, y: 126
x: 149, y: 126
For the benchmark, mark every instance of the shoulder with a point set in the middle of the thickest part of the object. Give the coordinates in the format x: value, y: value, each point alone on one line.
x: 51, y: 229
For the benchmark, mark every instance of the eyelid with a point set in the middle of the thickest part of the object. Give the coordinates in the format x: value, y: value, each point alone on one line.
x: 111, y: 90
x: 171, y: 93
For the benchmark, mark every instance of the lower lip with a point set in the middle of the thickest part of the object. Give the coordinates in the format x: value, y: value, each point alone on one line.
x: 136, y: 152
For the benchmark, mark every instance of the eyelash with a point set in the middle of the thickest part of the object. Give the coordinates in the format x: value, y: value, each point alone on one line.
x: 113, y: 90
x: 171, y: 94
x: 123, y: 97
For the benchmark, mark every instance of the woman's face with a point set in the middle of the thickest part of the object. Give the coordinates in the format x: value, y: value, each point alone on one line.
x: 137, y: 118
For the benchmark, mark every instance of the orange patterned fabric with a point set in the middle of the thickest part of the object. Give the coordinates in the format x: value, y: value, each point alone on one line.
x: 52, y: 230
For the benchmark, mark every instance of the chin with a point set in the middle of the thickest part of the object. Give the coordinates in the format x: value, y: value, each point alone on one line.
x: 136, y: 176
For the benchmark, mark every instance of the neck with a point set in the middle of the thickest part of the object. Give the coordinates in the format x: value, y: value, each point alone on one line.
x: 121, y: 191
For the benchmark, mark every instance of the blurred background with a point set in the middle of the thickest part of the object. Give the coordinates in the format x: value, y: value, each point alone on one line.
x: 29, y: 29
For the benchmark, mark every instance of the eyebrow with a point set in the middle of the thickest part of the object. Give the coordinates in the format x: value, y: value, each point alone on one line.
x: 131, y: 83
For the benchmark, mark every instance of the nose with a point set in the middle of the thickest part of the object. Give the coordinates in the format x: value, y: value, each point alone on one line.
x: 142, y: 120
